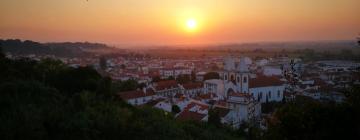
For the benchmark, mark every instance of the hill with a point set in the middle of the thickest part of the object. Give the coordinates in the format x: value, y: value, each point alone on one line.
x: 63, y: 49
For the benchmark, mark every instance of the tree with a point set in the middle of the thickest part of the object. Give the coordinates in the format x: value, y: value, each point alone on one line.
x: 74, y: 80
x: 170, y: 78
x: 211, y: 75
x: 193, y: 76
x: 214, y: 118
x: 76, y: 105
x: 103, y: 63
x: 305, y: 118
x: 2, y: 55
x: 346, y: 54
x: 183, y: 79
x: 308, y: 54
x: 156, y: 79
x: 122, y: 66
x: 126, y: 85
x: 175, y: 109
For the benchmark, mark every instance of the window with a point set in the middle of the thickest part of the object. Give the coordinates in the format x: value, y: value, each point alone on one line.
x: 225, y: 77
x: 245, y: 80
x: 269, y: 94
x: 232, y: 78
x: 278, y: 93
x: 238, y: 79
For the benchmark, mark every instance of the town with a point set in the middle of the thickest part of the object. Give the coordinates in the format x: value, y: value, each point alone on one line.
x: 234, y: 86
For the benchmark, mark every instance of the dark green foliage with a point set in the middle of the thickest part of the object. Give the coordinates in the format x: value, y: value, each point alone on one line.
x: 122, y: 66
x: 214, y: 117
x: 126, y: 85
x: 175, y: 109
x: 193, y: 76
x: 47, y: 100
x: 308, y: 119
x: 67, y: 49
x: 211, y: 75
x: 26, y: 108
x: 170, y: 78
x: 156, y: 79
x: 343, y: 54
x: 270, y: 106
x: 103, y: 63
x: 2, y: 55
x: 182, y: 79
x: 75, y: 80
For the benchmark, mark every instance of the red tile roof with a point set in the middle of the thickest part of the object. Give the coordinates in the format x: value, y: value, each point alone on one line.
x: 127, y: 95
x: 154, y: 102
x: 166, y: 85
x: 222, y: 111
x: 192, y: 104
x: 239, y: 94
x: 221, y: 103
x: 192, y: 85
x: 265, y: 81
x: 206, y: 96
x: 189, y: 115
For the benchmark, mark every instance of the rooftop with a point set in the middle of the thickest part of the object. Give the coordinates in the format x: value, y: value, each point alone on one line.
x: 265, y: 81
x: 127, y: 95
x: 192, y: 85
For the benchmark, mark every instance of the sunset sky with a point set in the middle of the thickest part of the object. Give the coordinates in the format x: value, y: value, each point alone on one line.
x: 156, y: 22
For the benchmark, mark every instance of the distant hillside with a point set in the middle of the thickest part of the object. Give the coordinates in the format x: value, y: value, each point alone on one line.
x: 65, y: 49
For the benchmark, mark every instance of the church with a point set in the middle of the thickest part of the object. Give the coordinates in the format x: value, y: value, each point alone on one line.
x: 237, y: 78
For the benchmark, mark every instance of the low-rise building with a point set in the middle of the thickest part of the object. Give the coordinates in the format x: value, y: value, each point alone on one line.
x: 192, y: 89
x: 214, y: 86
x: 244, y: 108
x: 167, y: 88
x: 138, y: 97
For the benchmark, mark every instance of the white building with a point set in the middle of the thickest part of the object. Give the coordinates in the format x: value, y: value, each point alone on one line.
x: 266, y: 88
x: 200, y: 76
x: 174, y: 72
x: 214, y: 86
x: 192, y: 89
x: 167, y: 88
x: 272, y: 70
x: 244, y: 108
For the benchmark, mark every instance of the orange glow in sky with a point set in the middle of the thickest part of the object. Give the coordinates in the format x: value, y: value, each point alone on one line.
x: 179, y: 21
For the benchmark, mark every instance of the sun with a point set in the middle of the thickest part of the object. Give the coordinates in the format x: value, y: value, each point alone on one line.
x: 191, y: 24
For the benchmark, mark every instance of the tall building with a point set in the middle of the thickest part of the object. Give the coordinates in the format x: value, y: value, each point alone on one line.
x: 236, y: 77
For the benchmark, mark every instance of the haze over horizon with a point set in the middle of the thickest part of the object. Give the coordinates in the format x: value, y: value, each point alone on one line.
x: 171, y: 22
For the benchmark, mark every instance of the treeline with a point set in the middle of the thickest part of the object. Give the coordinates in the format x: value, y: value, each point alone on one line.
x: 342, y: 54
x: 306, y: 118
x: 66, y: 49
x: 48, y: 100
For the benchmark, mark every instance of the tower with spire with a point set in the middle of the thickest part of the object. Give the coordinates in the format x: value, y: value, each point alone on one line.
x: 236, y: 76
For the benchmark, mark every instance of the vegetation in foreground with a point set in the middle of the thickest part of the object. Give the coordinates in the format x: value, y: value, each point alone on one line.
x: 48, y: 100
